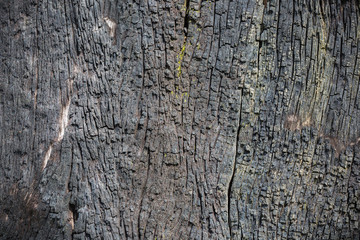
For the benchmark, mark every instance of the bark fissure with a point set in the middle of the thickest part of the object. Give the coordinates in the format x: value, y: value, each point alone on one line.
x: 187, y: 18
x: 232, y: 177
x: 144, y: 148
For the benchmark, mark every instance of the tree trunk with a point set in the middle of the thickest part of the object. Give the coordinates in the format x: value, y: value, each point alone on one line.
x: 181, y: 119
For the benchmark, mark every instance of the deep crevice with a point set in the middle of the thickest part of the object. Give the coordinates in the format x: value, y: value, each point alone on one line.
x: 229, y: 195
x: 234, y: 168
x: 187, y: 17
x: 72, y: 209
x: 73, y: 218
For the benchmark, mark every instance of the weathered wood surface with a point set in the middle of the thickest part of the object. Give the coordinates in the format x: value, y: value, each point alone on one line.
x: 179, y: 119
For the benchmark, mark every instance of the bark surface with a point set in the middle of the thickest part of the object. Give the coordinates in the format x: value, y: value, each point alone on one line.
x: 187, y: 119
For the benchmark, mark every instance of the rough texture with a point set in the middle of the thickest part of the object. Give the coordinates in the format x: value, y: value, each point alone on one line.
x: 187, y: 119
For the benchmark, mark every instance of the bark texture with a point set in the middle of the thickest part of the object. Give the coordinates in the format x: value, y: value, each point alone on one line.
x: 187, y: 119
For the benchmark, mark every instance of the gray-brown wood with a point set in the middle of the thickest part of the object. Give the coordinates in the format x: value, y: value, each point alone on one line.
x: 187, y: 119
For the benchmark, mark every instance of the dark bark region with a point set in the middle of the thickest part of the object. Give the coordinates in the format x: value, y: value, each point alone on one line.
x: 186, y: 119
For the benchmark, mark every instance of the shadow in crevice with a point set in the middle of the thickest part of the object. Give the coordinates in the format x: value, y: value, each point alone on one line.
x: 21, y: 216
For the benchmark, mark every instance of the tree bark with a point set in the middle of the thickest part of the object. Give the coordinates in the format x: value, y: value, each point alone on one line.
x: 181, y: 119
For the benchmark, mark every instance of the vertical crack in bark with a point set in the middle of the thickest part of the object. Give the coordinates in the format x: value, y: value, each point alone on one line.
x: 261, y: 40
x: 185, y: 29
x: 143, y: 195
x: 229, y: 190
x: 71, y: 206
x: 71, y: 215
x: 138, y: 110
x: 186, y: 18
x: 234, y: 166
